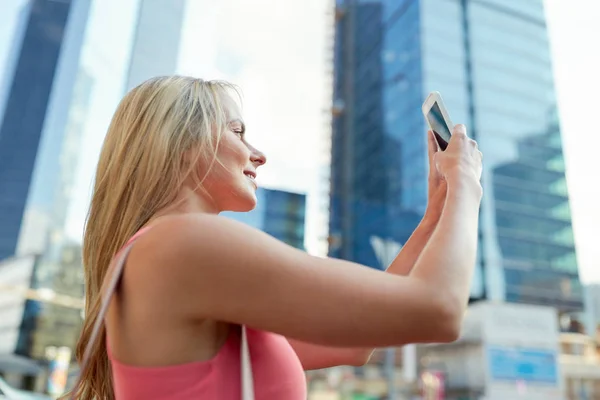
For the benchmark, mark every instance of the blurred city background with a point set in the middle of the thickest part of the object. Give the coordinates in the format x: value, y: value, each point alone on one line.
x: 332, y: 94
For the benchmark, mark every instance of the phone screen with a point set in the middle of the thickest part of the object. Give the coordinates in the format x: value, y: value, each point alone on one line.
x: 438, y: 125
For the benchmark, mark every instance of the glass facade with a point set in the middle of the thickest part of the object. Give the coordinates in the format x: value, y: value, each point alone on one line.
x: 46, y: 99
x: 280, y: 214
x: 38, y: 90
x: 368, y: 180
x: 45, y: 324
x: 490, y: 59
x: 25, y: 112
x: 156, y: 40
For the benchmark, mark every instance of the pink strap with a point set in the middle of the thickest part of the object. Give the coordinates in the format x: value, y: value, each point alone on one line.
x: 108, y: 288
x: 112, y: 279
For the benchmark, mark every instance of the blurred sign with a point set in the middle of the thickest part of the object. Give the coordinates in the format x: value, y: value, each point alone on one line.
x: 522, y: 365
x: 519, y: 325
x: 59, y: 358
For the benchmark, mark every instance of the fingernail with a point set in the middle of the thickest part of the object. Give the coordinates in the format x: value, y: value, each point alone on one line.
x: 461, y: 128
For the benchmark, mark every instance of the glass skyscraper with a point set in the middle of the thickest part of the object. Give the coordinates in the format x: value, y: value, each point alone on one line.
x: 491, y: 61
x: 156, y: 40
x: 279, y: 213
x: 37, y: 88
x: 45, y: 99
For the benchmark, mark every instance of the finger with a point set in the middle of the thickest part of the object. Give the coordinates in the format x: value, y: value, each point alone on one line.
x: 460, y: 131
x: 474, y: 145
x: 459, y: 136
x: 442, y: 190
x: 432, y: 146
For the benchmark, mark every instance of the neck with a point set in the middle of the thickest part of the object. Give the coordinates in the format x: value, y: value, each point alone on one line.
x: 188, y: 201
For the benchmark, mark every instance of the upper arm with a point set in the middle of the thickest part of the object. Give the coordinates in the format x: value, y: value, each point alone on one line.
x: 211, y: 267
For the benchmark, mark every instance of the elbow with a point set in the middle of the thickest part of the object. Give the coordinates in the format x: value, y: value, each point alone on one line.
x: 450, y: 320
x: 361, y: 357
x: 449, y: 334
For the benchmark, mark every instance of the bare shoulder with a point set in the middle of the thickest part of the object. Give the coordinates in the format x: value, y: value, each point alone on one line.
x: 203, y: 250
x: 183, y: 244
x: 185, y: 240
x: 183, y: 230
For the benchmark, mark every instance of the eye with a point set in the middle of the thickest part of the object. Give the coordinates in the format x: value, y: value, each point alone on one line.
x: 238, y: 128
x: 239, y: 132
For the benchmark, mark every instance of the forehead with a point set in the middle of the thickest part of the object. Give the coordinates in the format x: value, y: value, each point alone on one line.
x: 232, y: 108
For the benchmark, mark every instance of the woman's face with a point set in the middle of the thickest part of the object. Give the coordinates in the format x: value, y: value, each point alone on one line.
x: 231, y: 182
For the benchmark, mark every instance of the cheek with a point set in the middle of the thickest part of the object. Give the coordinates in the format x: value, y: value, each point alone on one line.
x: 234, y: 153
x: 228, y: 164
x: 232, y: 157
x: 210, y: 171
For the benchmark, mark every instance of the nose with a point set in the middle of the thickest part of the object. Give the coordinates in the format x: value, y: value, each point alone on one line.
x: 257, y: 157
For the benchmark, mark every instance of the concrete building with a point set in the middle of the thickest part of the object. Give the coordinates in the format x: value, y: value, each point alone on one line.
x: 506, y: 351
x: 580, y: 366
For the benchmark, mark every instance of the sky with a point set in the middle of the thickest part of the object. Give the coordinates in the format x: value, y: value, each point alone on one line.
x: 278, y: 61
x: 277, y: 52
x: 255, y: 45
x: 574, y: 31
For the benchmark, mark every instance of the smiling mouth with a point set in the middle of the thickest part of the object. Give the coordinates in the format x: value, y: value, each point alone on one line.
x: 252, y: 178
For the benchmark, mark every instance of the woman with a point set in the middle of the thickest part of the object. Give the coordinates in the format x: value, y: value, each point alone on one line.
x: 175, y: 156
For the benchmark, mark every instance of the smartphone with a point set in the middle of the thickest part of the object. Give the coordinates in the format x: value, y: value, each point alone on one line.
x: 438, y: 119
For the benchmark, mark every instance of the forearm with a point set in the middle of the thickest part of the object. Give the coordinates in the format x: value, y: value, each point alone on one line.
x: 408, y: 256
x: 406, y: 259
x: 447, y: 262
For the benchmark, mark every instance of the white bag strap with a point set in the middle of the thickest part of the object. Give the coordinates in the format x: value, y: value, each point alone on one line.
x: 111, y: 281
x: 247, y: 378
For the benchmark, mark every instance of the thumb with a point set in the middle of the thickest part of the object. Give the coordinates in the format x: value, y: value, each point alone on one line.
x: 436, y: 159
x: 432, y: 145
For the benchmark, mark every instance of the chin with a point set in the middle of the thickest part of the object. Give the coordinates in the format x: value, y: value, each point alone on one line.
x: 244, y: 203
x: 247, y: 207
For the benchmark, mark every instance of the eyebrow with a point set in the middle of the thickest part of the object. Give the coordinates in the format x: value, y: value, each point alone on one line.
x: 239, y: 121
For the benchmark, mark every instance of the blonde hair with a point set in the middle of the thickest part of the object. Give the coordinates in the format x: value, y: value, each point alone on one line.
x: 141, y: 168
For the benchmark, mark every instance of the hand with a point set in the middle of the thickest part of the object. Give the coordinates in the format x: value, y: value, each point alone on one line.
x: 437, y: 188
x: 461, y: 162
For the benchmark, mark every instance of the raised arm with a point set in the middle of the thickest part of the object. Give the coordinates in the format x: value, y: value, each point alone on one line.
x: 437, y: 190
x: 455, y: 237
x: 211, y: 267
x: 315, y: 356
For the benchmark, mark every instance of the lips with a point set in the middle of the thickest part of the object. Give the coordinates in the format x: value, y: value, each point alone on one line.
x: 250, y: 174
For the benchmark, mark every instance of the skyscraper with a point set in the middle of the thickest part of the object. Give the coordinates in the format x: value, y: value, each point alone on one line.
x: 156, y: 41
x: 491, y: 61
x: 40, y: 76
x: 279, y: 213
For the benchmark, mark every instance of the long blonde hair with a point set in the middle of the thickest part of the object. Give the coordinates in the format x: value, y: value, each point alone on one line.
x: 140, y: 170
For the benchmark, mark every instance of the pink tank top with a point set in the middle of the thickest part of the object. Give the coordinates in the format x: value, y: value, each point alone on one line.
x: 277, y: 373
